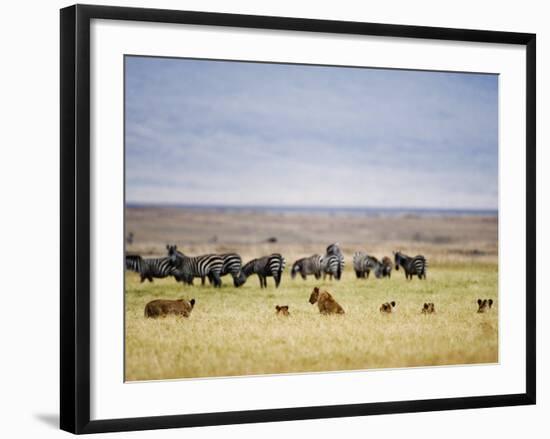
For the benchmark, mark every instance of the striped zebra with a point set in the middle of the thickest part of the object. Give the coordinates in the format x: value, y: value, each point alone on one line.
x: 363, y: 264
x: 150, y: 268
x: 307, y: 266
x: 189, y: 267
x: 232, y: 264
x: 272, y: 265
x: 332, y: 263
x: 416, y: 265
x: 134, y: 262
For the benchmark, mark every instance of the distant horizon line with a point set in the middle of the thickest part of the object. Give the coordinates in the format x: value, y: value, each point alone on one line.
x: 313, y: 207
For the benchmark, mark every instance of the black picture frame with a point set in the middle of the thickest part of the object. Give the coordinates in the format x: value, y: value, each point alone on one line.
x: 75, y: 217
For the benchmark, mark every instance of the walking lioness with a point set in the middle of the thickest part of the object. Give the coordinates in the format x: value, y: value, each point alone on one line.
x: 161, y: 308
x: 326, y: 303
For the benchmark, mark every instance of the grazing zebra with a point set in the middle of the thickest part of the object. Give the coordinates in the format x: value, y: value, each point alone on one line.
x: 189, y: 267
x: 150, y: 268
x: 332, y: 263
x: 307, y: 266
x: 416, y: 265
x: 272, y: 265
x: 232, y: 264
x: 363, y: 264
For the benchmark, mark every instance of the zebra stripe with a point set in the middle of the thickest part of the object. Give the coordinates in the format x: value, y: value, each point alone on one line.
x: 233, y: 264
x: 189, y: 267
x: 307, y: 266
x: 266, y: 266
x: 363, y: 264
x: 134, y: 263
x: 150, y: 268
x: 332, y: 263
x: 416, y: 265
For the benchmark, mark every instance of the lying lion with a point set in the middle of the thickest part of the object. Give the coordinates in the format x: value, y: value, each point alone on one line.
x: 161, y: 308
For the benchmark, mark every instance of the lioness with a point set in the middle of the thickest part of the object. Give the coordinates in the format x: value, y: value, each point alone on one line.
x: 161, y: 308
x: 282, y: 310
x: 387, y: 307
x: 429, y: 308
x: 484, y: 305
x: 326, y: 303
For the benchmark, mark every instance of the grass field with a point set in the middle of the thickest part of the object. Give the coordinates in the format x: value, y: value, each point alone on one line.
x: 236, y: 332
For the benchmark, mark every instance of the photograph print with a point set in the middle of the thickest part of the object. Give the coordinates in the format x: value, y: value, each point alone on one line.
x: 292, y: 218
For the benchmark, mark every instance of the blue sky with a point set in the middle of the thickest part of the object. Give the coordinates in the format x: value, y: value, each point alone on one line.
x: 235, y: 133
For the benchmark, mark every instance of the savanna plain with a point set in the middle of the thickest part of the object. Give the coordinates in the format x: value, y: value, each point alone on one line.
x: 235, y: 331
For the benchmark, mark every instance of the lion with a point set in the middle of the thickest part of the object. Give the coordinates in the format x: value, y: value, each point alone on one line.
x: 325, y: 302
x: 484, y: 305
x: 429, y: 308
x: 387, y: 307
x: 161, y: 308
x: 282, y: 310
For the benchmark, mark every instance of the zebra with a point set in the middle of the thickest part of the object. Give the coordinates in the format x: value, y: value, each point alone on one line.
x: 189, y: 267
x: 363, y: 264
x: 416, y: 265
x: 332, y: 263
x: 232, y: 264
x: 272, y: 265
x: 134, y: 263
x: 307, y: 266
x: 334, y: 249
x: 150, y: 268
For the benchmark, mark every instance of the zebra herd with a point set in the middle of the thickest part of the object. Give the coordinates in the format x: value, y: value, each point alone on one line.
x: 214, y: 266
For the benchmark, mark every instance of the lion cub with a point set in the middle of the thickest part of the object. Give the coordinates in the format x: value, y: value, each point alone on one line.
x: 387, y: 307
x: 326, y: 303
x: 161, y: 308
x: 484, y: 305
x: 282, y: 310
x: 429, y: 308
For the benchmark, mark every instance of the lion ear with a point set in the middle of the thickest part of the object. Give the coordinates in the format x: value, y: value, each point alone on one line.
x: 393, y: 304
x: 192, y: 302
x: 425, y: 306
x: 490, y: 302
x: 277, y: 307
x: 316, y: 289
x: 479, y: 301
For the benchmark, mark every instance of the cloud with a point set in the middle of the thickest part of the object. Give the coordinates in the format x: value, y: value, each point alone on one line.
x: 206, y: 132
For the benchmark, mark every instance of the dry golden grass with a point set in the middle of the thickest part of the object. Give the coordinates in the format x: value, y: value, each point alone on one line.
x: 236, y: 332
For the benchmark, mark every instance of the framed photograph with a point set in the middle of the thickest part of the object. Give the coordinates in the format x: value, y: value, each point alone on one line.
x: 268, y: 219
